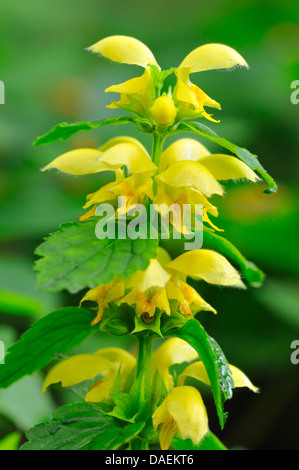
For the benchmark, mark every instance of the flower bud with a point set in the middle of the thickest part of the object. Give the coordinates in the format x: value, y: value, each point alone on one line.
x: 164, y: 111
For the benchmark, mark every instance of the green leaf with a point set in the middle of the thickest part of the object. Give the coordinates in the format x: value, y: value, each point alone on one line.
x: 253, y: 275
x: 209, y: 442
x: 57, y: 332
x: 80, y: 426
x: 74, y: 258
x: 11, y: 441
x: 214, y: 361
x: 66, y: 130
x: 242, y: 153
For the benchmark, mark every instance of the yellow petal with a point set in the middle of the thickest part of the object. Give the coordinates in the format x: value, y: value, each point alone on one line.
x: 212, y: 56
x: 187, y: 92
x: 241, y: 380
x: 226, y: 167
x: 207, y: 265
x: 153, y: 276
x: 131, y: 155
x: 185, y: 407
x: 101, y: 390
x: 124, y: 49
x: 121, y: 358
x: 191, y: 175
x: 183, y: 149
x: 187, y: 296
x: 172, y: 351
x: 136, y: 85
x: 123, y: 139
x: 78, y: 162
x: 197, y: 371
x: 76, y: 369
x: 118, y: 356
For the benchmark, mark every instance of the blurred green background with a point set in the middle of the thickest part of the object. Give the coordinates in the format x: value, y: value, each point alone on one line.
x: 50, y: 78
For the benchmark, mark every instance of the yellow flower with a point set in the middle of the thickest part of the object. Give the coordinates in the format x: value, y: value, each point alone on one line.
x: 207, y: 265
x: 173, y: 351
x: 87, y: 161
x: 208, y: 57
x: 105, y: 294
x: 124, y: 49
x: 164, y: 281
x: 222, y: 167
x: 176, y: 351
x: 189, y: 174
x: 182, y: 412
x: 106, y: 362
x: 198, y: 371
x: 137, y: 94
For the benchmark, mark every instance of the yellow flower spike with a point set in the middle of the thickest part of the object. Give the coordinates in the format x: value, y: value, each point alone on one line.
x: 78, y: 162
x: 124, y: 49
x: 77, y: 369
x: 183, y: 149
x: 207, y: 265
x: 197, y: 371
x: 173, y: 351
x: 211, y: 57
x: 191, y: 175
x: 164, y: 111
x: 226, y: 167
x: 182, y: 412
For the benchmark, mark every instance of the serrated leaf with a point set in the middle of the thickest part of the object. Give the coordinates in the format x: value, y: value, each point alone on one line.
x: 57, y: 332
x: 253, y: 275
x: 243, y: 154
x: 80, y: 426
x: 66, y: 130
x: 214, y: 361
x: 74, y: 258
x: 209, y: 442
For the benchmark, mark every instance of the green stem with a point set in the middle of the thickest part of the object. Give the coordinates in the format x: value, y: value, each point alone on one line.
x: 144, y: 370
x: 158, y: 141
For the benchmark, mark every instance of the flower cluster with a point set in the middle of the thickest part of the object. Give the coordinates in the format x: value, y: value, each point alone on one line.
x: 181, y: 412
x: 184, y: 173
